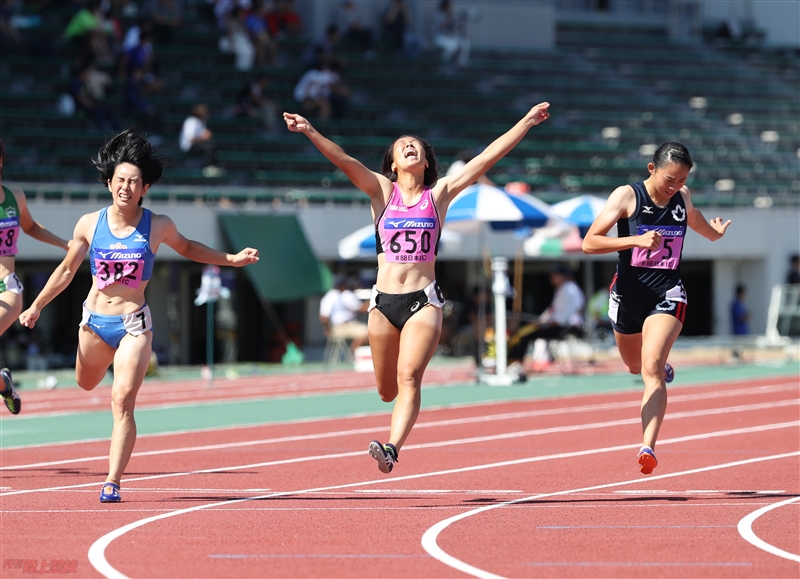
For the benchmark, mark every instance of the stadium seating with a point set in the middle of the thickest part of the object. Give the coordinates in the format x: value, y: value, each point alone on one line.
x: 736, y: 110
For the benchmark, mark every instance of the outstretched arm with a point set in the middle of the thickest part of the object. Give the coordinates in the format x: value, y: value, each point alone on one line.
x: 33, y: 228
x: 712, y: 229
x: 369, y: 182
x: 498, y: 149
x: 200, y: 252
x: 64, y: 273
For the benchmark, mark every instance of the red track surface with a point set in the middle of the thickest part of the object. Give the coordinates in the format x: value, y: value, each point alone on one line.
x: 305, y: 500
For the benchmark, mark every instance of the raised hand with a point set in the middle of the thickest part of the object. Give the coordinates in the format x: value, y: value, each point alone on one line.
x: 246, y: 256
x: 296, y: 123
x: 718, y: 225
x: 539, y: 113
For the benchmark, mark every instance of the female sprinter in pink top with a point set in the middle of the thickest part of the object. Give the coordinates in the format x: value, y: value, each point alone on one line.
x: 409, y: 204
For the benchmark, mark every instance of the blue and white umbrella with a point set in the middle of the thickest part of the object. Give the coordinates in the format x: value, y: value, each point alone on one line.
x: 361, y: 243
x: 482, y: 203
x: 580, y: 211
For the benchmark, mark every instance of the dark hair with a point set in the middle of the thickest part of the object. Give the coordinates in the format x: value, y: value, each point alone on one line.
x: 562, y: 269
x: 2, y: 154
x: 740, y: 289
x: 672, y: 153
x: 431, y: 171
x: 129, y: 147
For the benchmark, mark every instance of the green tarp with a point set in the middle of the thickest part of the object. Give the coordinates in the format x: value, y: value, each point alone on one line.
x: 287, y: 269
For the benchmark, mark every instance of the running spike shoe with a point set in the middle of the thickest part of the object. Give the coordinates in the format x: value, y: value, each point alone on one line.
x: 669, y: 373
x: 384, y: 454
x: 647, y: 460
x: 10, y: 396
x: 110, y: 493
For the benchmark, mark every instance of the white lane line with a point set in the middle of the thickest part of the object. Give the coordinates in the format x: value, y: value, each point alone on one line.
x: 437, y: 444
x: 777, y: 387
x: 426, y: 507
x: 745, y: 528
x: 432, y: 424
x: 429, y: 538
x: 97, y: 550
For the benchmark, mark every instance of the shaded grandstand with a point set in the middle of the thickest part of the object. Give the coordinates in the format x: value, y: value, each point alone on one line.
x: 616, y: 92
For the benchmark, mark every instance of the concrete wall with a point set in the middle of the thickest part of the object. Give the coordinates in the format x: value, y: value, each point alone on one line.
x: 780, y: 18
x: 505, y: 24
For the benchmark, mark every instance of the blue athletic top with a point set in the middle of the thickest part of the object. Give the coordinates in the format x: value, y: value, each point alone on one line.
x: 128, y: 260
x: 659, y: 269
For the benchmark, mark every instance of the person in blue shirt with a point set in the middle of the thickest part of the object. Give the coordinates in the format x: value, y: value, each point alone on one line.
x: 117, y: 327
x: 740, y: 315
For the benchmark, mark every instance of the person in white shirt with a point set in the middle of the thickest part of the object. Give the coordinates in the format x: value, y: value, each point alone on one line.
x: 338, y: 313
x: 563, y: 317
x: 196, y: 139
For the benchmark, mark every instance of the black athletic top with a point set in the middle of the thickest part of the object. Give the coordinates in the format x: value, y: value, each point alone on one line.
x: 658, y: 270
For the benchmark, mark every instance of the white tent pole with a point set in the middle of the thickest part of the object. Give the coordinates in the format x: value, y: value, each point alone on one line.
x: 499, y: 287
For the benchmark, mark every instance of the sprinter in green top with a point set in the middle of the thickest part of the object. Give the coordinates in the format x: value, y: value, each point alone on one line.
x: 14, y: 217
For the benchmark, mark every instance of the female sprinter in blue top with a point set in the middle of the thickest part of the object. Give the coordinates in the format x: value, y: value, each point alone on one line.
x: 116, y: 326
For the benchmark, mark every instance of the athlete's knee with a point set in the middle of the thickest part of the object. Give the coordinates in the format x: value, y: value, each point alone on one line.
x: 408, y: 378
x: 122, y: 403
x: 652, y: 366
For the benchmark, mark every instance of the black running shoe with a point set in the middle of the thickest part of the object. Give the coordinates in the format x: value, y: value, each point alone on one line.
x: 384, y: 455
x: 10, y: 396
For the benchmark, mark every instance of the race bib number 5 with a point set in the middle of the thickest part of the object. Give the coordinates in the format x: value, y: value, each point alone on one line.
x: 124, y: 267
x: 9, y: 232
x: 668, y: 254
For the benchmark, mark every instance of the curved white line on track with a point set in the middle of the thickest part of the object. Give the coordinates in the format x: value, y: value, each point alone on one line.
x: 745, y: 528
x: 97, y: 550
x: 429, y: 539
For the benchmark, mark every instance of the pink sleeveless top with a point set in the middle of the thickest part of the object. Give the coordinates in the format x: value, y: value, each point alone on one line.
x: 408, y: 234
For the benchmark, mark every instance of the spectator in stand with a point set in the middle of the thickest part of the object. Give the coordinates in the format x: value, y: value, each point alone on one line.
x: 196, y: 139
x: 256, y: 25
x: 102, y: 116
x: 237, y: 40
x: 283, y: 21
x: 326, y: 49
x: 449, y: 35
x: 322, y: 92
x: 135, y: 102
x: 793, y: 275
x: 354, y: 32
x: 143, y: 56
x: 11, y: 39
x: 222, y: 8
x: 167, y: 16
x: 90, y: 32
x: 397, y: 29
x: 253, y: 102
x: 133, y: 35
